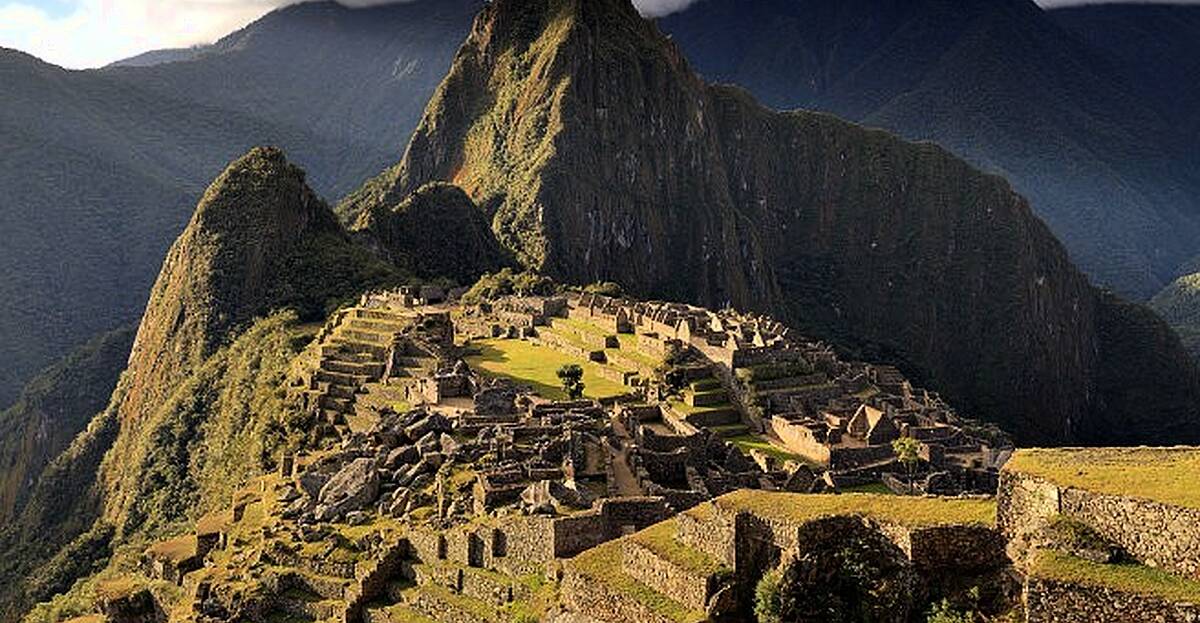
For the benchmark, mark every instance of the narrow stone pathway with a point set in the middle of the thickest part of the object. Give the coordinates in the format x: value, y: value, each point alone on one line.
x: 627, y: 484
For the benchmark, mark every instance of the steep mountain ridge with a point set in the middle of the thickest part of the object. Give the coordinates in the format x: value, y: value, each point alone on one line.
x: 201, y: 404
x: 437, y: 233
x: 602, y: 157
x: 260, y: 241
x: 101, y: 168
x: 997, y: 82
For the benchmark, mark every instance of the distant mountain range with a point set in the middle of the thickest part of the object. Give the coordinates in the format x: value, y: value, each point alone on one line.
x: 100, y: 169
x: 573, y: 137
x: 1090, y: 112
x: 1086, y: 111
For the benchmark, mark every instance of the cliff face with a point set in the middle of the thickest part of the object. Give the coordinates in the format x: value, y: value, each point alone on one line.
x: 1078, y: 108
x: 602, y: 157
x: 55, y: 406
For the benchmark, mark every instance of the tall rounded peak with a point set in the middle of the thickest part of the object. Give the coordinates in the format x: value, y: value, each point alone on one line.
x: 261, y: 190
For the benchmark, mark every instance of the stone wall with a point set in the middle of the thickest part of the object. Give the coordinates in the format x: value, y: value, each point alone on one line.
x: 799, y: 439
x: 583, y: 594
x: 951, y: 548
x: 708, y: 530
x: 1050, y: 601
x: 685, y: 586
x: 577, y: 533
x: 1156, y: 534
x: 527, y: 544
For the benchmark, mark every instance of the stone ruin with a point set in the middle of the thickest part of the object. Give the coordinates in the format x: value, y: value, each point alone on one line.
x: 484, y: 474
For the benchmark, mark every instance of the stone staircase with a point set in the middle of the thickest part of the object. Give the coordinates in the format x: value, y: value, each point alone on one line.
x: 353, y: 360
x: 706, y: 404
x: 659, y: 575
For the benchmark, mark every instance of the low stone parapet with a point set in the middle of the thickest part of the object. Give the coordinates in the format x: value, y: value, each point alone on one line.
x: 1054, y: 601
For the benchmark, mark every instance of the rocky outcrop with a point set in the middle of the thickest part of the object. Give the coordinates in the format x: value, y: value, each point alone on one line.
x: 603, y: 157
x: 436, y: 232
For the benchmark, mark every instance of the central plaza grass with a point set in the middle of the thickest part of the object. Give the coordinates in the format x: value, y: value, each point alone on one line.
x: 1166, y: 475
x: 537, y: 366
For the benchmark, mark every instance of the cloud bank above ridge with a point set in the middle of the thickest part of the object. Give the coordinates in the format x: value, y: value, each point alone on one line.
x: 92, y: 33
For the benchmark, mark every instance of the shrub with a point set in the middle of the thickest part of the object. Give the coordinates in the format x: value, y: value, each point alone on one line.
x: 507, y: 283
x: 606, y: 288
x: 943, y: 612
x: 768, y: 604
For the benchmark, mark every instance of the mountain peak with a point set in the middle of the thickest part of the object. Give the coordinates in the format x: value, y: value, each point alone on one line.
x: 600, y: 156
x: 260, y: 240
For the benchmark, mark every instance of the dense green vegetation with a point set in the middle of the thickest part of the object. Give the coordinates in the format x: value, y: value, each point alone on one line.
x: 100, y: 169
x: 437, y: 232
x: 506, y: 282
x: 226, y: 423
x: 54, y: 407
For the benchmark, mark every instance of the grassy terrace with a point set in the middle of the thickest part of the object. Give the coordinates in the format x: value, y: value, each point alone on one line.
x: 907, y: 511
x: 1130, y: 578
x: 682, y: 408
x: 1166, y: 475
x: 603, y: 564
x: 660, y: 539
x: 628, y: 342
x: 537, y: 366
x: 749, y: 442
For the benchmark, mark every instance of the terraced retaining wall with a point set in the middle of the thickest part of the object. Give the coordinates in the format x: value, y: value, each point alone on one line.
x: 1156, y: 534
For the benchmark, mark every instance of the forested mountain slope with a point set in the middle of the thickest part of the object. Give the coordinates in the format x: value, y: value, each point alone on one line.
x: 1008, y: 86
x: 101, y: 168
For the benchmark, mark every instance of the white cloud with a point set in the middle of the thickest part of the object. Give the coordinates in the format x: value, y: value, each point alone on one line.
x: 658, y: 8
x: 97, y: 32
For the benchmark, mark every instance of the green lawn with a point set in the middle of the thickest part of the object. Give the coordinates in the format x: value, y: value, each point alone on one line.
x: 1130, y: 578
x: 537, y: 366
x: 876, y: 488
x: 1165, y: 475
x: 907, y: 511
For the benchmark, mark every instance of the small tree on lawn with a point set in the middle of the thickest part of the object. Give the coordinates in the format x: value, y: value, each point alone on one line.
x: 572, y: 380
x: 908, y: 452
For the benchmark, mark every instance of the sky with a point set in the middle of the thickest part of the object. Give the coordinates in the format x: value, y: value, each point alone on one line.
x: 91, y: 33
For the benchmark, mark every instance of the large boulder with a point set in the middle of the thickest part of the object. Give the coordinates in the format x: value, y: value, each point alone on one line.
x: 433, y: 423
x: 354, y: 488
